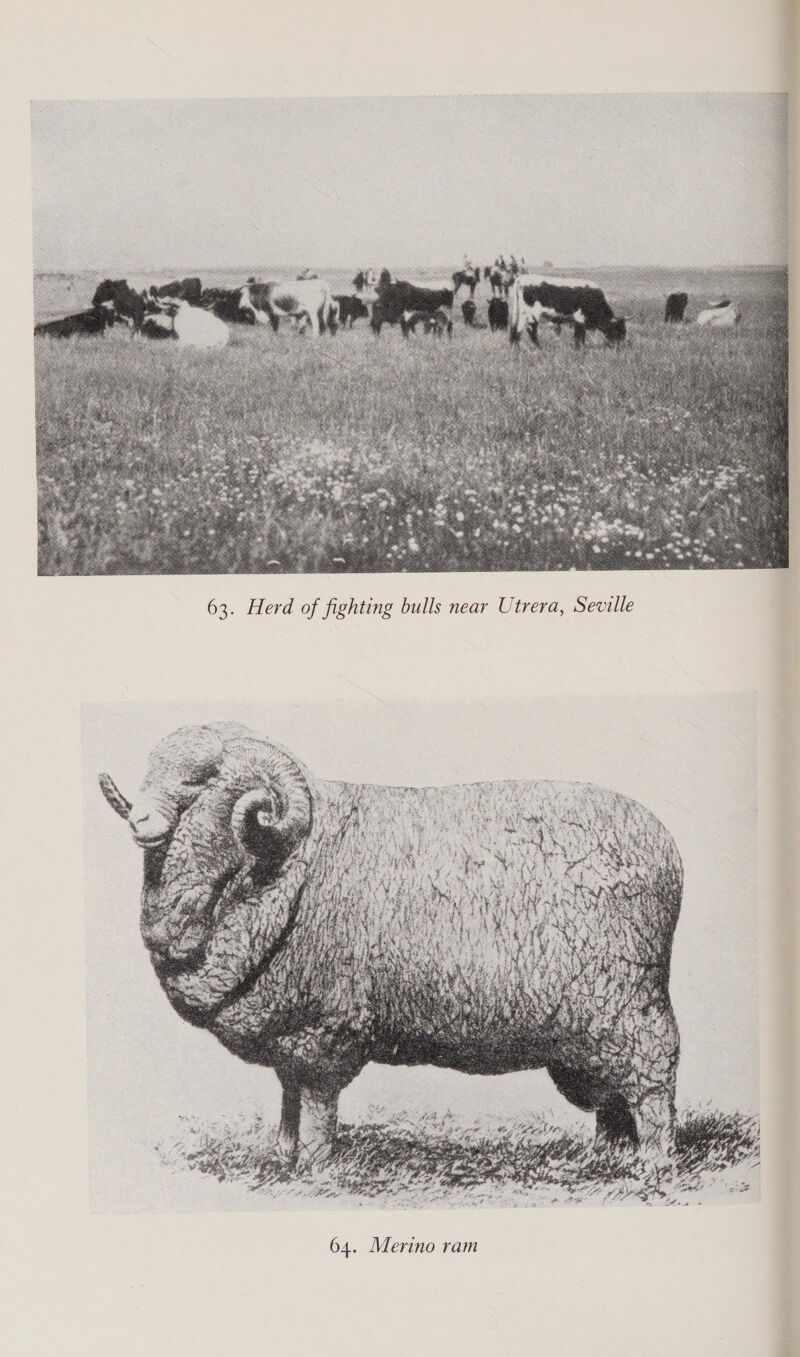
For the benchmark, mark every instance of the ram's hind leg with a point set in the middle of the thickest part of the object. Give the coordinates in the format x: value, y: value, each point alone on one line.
x: 649, y: 1087
x: 655, y: 1124
x: 616, y: 1128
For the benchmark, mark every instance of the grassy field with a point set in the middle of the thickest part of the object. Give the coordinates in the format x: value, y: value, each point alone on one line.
x: 400, y: 1162
x: 283, y: 454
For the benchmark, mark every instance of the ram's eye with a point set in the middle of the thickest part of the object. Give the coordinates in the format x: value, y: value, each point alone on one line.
x: 201, y: 774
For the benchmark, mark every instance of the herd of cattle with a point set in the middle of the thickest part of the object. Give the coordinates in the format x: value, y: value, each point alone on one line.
x: 198, y: 317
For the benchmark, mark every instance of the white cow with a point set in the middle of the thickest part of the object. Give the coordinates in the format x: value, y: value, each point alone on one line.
x: 307, y: 300
x: 195, y: 328
x: 719, y: 315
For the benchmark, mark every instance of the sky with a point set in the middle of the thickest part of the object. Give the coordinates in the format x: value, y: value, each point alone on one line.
x: 690, y: 759
x: 692, y: 180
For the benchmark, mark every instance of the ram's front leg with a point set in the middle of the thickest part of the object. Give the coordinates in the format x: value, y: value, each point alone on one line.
x: 317, y: 1129
x: 288, y: 1131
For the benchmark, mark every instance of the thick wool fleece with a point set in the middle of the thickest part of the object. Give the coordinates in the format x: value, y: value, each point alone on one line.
x: 486, y: 928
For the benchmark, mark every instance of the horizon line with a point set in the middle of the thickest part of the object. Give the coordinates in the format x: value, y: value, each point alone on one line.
x: 339, y: 268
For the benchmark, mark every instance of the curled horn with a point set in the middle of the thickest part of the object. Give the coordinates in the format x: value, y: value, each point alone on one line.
x: 271, y: 819
x: 114, y: 796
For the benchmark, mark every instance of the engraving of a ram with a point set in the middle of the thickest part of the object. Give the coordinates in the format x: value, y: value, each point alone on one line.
x: 313, y: 926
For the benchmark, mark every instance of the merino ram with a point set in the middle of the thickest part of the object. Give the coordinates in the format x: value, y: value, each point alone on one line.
x: 314, y: 926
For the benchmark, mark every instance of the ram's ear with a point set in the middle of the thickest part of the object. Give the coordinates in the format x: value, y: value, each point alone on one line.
x: 274, y: 817
x: 269, y: 828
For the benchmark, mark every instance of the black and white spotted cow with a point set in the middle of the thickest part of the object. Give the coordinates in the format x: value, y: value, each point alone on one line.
x: 564, y: 301
x: 307, y: 300
x: 124, y: 301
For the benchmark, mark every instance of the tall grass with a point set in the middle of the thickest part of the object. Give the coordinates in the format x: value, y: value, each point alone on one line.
x: 351, y: 454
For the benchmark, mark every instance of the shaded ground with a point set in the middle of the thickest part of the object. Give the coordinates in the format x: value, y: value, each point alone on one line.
x: 431, y: 1161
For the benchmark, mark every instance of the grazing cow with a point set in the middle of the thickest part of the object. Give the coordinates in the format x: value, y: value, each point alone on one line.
x: 226, y: 304
x: 466, y: 277
x: 195, y: 328
x: 498, y: 313
x: 351, y: 308
x: 308, y: 300
x: 675, y: 308
x: 469, y: 311
x: 92, y: 322
x: 566, y: 301
x: 126, y: 303
x: 396, y: 300
x: 253, y: 302
x: 720, y: 315
x: 433, y: 323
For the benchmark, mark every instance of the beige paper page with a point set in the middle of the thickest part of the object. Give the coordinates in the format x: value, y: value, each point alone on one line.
x: 100, y: 1254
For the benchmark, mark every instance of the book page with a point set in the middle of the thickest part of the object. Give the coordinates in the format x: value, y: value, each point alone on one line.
x: 400, y: 674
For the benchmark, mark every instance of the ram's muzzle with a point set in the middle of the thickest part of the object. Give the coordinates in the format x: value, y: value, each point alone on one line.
x: 150, y: 826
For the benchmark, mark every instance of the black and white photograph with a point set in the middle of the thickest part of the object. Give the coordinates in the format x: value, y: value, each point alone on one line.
x: 411, y: 334
x: 422, y: 954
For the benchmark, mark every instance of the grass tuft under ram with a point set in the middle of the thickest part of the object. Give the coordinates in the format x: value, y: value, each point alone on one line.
x: 430, y: 1160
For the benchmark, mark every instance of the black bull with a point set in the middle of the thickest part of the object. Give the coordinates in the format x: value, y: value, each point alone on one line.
x: 675, y: 307
x: 498, y: 313
x: 187, y: 289
x: 92, y: 322
x: 585, y: 308
x: 350, y: 308
x: 226, y: 303
x: 394, y: 299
